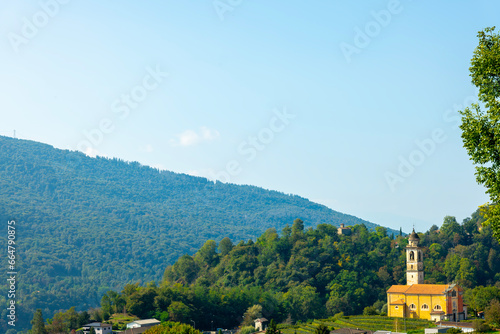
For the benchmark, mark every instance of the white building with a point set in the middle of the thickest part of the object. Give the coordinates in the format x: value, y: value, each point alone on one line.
x: 143, y: 323
x: 99, y: 327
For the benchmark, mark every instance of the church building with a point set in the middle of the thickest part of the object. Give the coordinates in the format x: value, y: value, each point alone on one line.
x: 433, y: 302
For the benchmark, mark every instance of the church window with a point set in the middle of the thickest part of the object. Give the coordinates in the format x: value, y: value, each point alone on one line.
x: 437, y: 307
x: 453, y: 293
x: 425, y: 307
x: 412, y: 266
x: 413, y: 307
x: 396, y: 307
x: 412, y: 256
x: 419, y: 256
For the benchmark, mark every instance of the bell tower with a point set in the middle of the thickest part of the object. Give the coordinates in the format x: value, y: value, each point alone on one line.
x: 414, y: 261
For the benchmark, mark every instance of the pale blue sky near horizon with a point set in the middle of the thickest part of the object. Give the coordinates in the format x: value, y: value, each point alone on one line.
x: 349, y: 104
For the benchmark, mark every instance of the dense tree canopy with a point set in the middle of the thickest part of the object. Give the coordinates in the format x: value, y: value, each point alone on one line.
x: 89, y: 225
x: 304, y: 274
x: 481, y: 123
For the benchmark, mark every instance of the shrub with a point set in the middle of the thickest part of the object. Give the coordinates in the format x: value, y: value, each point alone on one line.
x: 480, y: 326
x: 370, y: 310
x: 247, y: 330
x: 338, y: 315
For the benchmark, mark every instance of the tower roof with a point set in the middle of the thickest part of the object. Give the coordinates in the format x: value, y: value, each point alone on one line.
x: 414, y: 236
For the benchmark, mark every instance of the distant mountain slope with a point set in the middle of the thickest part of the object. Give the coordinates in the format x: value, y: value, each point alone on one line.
x: 89, y: 224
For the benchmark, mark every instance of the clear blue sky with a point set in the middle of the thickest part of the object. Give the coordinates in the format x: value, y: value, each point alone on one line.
x: 351, y: 104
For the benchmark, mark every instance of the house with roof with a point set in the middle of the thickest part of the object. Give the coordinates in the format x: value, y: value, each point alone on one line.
x: 143, y: 323
x: 99, y: 328
x: 260, y: 324
x: 342, y: 230
x: 433, y: 302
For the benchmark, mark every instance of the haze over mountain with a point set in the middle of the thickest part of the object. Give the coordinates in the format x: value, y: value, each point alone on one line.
x: 86, y: 225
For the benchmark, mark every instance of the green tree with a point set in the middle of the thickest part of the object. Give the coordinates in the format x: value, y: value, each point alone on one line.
x: 172, y: 328
x: 225, y: 246
x: 184, y: 270
x: 493, y: 262
x: 297, y: 229
x: 207, y: 254
x: 83, y: 318
x: 480, y: 297
x: 303, y: 302
x: 492, y: 313
x: 370, y: 310
x: 92, y: 330
x: 480, y: 326
x: 178, y: 311
x: 480, y: 127
x: 106, y: 307
x: 436, y: 251
x: 321, y: 329
x: 466, y: 275
x: 451, y: 267
x: 58, y: 324
x: 247, y: 330
x: 72, y: 318
x: 252, y: 313
x: 141, y: 302
x: 272, y: 328
x: 38, y: 325
x: 451, y: 228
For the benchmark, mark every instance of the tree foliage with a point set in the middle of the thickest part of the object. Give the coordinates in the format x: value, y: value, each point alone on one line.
x: 321, y: 329
x: 299, y: 275
x: 172, y: 328
x: 38, y: 324
x: 252, y: 313
x: 90, y: 225
x: 481, y: 123
x: 492, y: 313
x: 273, y: 328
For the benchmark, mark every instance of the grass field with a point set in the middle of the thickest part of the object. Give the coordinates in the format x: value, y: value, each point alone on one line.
x: 121, y: 320
x: 373, y: 323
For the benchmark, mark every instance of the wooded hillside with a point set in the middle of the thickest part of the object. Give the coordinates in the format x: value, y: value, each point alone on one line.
x: 86, y: 225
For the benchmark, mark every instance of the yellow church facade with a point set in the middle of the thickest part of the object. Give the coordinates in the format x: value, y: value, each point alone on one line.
x: 433, y: 302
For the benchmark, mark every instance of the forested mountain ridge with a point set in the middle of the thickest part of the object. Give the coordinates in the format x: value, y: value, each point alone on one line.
x: 304, y: 274
x: 86, y: 225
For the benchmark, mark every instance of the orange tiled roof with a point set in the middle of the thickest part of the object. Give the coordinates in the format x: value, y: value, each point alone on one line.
x: 419, y: 289
x: 427, y: 289
x: 398, y: 302
x: 398, y: 289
